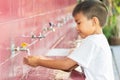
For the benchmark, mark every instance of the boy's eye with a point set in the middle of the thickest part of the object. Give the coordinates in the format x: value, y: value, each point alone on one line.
x: 78, y: 23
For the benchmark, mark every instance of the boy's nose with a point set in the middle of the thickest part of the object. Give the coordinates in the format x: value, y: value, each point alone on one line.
x: 76, y: 28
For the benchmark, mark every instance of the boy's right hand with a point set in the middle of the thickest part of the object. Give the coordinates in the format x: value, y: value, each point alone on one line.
x: 31, y: 61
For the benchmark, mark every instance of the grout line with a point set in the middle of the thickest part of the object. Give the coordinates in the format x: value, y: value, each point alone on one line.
x: 57, y: 42
x: 8, y: 59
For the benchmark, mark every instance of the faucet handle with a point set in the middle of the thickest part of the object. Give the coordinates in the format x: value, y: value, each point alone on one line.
x: 24, y: 45
x: 51, y: 24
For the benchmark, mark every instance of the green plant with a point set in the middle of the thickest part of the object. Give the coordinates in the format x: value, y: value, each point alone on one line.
x: 111, y: 29
x: 116, y: 4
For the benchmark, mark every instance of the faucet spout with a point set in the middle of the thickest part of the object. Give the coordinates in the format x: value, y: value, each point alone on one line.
x: 24, y: 49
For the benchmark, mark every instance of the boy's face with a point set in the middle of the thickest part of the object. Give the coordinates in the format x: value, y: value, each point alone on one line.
x: 85, y: 26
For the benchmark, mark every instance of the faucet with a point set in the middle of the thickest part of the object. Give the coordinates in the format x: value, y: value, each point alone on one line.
x: 50, y: 28
x: 23, y: 47
x: 39, y: 37
x: 61, y: 22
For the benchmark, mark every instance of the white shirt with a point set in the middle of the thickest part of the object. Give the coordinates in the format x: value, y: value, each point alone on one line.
x: 94, y: 55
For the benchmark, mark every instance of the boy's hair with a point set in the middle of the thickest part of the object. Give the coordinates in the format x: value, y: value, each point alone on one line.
x: 92, y: 8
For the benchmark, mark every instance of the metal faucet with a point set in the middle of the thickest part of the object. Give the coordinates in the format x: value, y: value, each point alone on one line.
x: 39, y: 37
x: 50, y: 28
x: 61, y: 22
x: 15, y: 49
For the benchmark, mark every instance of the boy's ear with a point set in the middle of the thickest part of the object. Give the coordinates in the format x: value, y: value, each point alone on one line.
x: 95, y: 21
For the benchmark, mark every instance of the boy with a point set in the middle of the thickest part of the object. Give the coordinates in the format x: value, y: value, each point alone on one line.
x: 94, y: 53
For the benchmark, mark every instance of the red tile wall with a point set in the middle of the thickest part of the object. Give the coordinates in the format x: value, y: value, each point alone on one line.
x: 19, y: 19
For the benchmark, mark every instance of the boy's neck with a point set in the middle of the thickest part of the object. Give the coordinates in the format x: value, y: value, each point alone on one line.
x: 98, y: 30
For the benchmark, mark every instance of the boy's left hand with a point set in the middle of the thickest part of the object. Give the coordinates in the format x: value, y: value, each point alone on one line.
x: 32, y: 61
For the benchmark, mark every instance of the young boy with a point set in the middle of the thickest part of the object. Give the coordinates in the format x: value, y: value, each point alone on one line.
x: 94, y: 53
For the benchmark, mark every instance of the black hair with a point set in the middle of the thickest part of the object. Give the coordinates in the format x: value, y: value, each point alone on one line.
x: 92, y: 8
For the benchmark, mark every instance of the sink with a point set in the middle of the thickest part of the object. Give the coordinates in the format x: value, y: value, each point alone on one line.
x: 58, y: 52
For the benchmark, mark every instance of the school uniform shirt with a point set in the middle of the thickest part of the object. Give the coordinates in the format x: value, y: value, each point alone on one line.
x: 95, y: 56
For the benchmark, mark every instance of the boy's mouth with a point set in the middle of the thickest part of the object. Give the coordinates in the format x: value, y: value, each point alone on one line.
x: 82, y: 35
x: 79, y: 32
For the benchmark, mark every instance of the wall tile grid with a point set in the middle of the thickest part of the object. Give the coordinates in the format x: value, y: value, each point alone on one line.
x: 19, y: 21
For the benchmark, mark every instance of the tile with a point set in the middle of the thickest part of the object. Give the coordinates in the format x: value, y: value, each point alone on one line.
x: 17, y: 22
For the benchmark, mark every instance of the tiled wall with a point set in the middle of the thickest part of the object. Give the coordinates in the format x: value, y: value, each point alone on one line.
x: 19, y: 20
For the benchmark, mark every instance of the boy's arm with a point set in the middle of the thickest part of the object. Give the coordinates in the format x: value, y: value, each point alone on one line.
x: 61, y: 64
x: 71, y: 68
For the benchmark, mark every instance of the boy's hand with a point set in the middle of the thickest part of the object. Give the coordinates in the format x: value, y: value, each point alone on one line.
x: 32, y: 61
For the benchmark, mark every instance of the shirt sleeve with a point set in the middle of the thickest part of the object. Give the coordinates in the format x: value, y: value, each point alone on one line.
x: 84, y: 53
